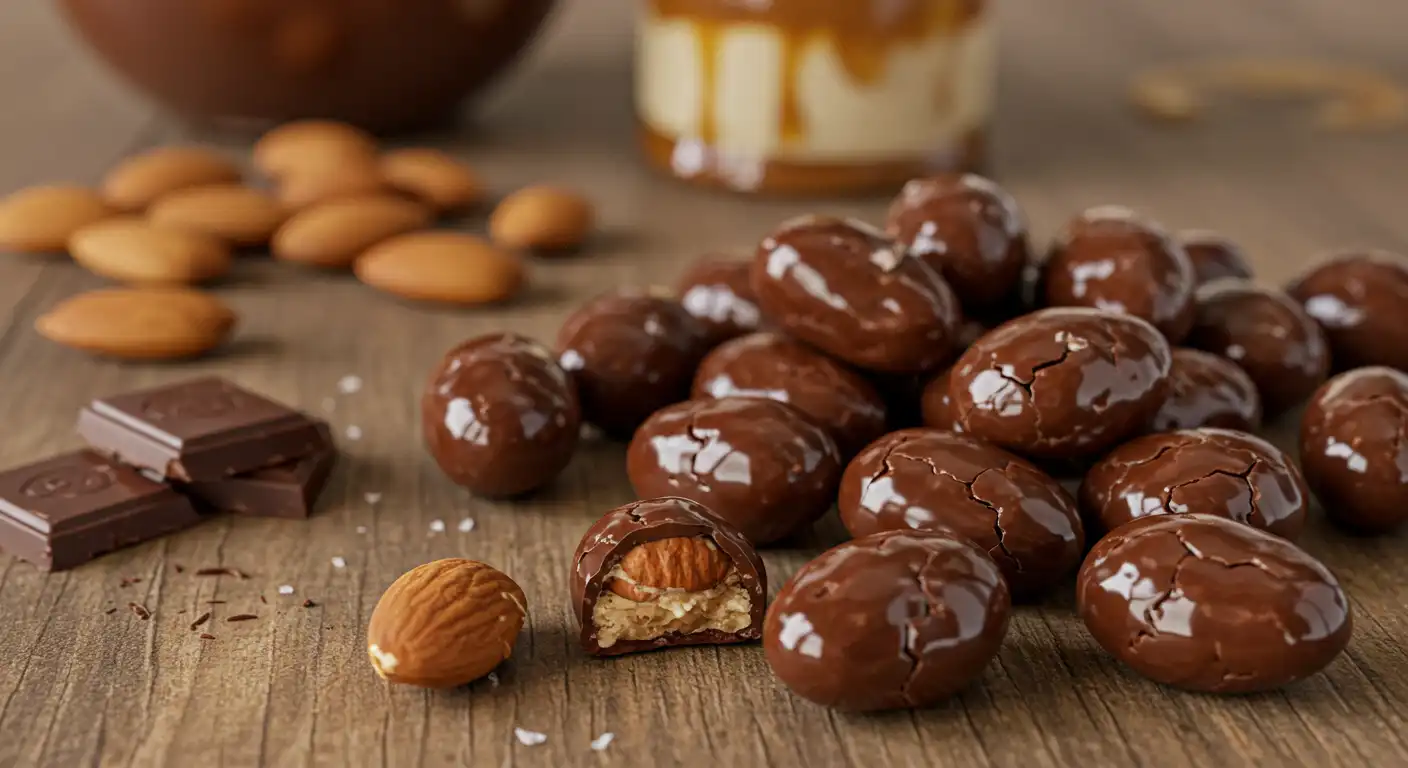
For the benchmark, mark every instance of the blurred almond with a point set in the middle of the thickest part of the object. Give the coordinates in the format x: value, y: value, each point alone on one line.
x: 433, y: 177
x: 139, y: 180
x: 42, y: 219
x: 236, y: 214
x: 133, y: 250
x: 449, y: 267
x: 542, y: 218
x: 139, y: 323
x: 334, y: 233
x: 310, y: 186
x: 307, y: 145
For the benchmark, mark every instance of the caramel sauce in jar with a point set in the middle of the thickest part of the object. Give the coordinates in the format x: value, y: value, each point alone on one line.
x: 814, y: 96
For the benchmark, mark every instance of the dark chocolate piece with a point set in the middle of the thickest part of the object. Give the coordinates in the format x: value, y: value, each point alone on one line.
x: 287, y: 490
x: 500, y: 417
x: 710, y: 578
x: 855, y: 294
x: 773, y: 366
x: 1213, y: 471
x: 896, y: 619
x: 1214, y: 256
x: 1361, y: 302
x: 758, y: 463
x: 1207, y: 604
x: 1207, y: 390
x: 62, y: 512
x: 202, y: 429
x: 716, y: 290
x: 1354, y: 448
x: 928, y: 479
x: 1062, y: 382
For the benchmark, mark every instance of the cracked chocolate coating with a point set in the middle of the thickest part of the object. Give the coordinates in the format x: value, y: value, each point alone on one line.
x: 627, y: 527
x: 630, y: 352
x: 1205, y: 604
x: 773, y: 366
x: 927, y: 479
x: 499, y: 416
x: 1360, y: 300
x: 1062, y: 382
x: 843, y: 287
x: 1214, y: 256
x: 757, y: 463
x: 968, y: 229
x: 716, y: 290
x: 898, y: 619
x: 1354, y: 448
x: 1110, y: 259
x: 1211, y: 471
x: 1206, y: 390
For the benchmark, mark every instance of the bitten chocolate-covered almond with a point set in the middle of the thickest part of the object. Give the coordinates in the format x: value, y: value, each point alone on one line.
x: 757, y: 463
x: 665, y: 572
x: 499, y: 416
x: 1361, y: 302
x: 847, y: 289
x: 1354, y: 448
x: 1212, y: 471
x: 1207, y: 604
x: 1062, y: 382
x: 929, y: 479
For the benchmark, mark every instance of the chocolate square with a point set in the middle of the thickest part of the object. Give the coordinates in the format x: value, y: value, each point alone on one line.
x: 287, y: 490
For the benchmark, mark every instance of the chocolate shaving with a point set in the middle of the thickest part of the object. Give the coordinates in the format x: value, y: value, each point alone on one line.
x: 309, y: 604
x: 207, y: 637
x: 242, y: 617
x: 214, y: 602
x: 262, y: 600
x: 110, y: 611
x: 140, y: 610
x: 128, y: 581
x: 204, y: 617
x: 179, y: 568
x: 237, y: 573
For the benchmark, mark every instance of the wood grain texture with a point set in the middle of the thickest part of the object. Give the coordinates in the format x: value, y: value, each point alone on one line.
x: 80, y: 686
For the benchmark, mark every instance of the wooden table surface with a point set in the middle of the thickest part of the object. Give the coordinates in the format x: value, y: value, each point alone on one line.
x: 81, y: 687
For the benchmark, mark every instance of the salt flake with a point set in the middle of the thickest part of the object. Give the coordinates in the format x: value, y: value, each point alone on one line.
x: 338, y: 562
x: 348, y: 385
x: 286, y: 589
x: 372, y: 497
x: 437, y: 526
x: 603, y: 741
x: 354, y: 432
x: 529, y: 738
x: 466, y: 525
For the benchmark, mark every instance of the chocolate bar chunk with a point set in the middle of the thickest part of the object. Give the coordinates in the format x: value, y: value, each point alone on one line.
x: 203, y: 429
x: 63, y: 512
x: 288, y: 490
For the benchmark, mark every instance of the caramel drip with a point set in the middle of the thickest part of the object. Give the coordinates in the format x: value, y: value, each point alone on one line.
x: 707, y: 32
x: 792, y: 130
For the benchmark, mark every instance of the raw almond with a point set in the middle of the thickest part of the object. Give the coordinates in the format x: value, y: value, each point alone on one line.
x: 237, y: 214
x: 542, y: 218
x: 311, y: 144
x: 433, y: 177
x: 139, y: 180
x: 139, y: 323
x: 333, y: 234
x: 445, y: 624
x: 448, y: 267
x: 133, y: 250
x: 310, y: 186
x: 41, y: 219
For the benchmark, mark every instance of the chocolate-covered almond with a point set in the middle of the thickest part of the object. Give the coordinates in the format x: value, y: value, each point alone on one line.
x: 1214, y: 256
x: 1211, y: 471
x: 1062, y: 382
x: 1109, y: 258
x: 773, y: 366
x: 1266, y: 332
x: 716, y: 290
x: 1361, y: 302
x: 847, y: 289
x: 897, y: 619
x: 758, y: 463
x: 1207, y: 604
x: 1207, y: 390
x: 630, y: 353
x: 968, y: 229
x: 665, y: 572
x: 500, y: 417
x: 928, y: 479
x: 1354, y: 448
x: 936, y: 404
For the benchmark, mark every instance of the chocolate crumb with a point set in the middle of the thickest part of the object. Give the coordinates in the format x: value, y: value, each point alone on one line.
x: 242, y: 617
x: 204, y: 617
x: 309, y: 604
x: 214, y: 602
x: 262, y: 600
x: 179, y: 568
x: 237, y: 573
x: 207, y: 637
x: 128, y: 581
x: 110, y: 611
x: 140, y: 610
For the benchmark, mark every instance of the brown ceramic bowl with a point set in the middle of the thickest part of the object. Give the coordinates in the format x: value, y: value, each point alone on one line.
x: 382, y: 64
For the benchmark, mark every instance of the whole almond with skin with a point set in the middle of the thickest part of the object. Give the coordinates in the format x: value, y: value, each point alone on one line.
x: 139, y: 323
x: 236, y: 214
x: 448, y: 267
x: 334, y: 233
x: 690, y: 564
x: 132, y: 250
x: 433, y: 177
x: 138, y: 181
x: 41, y: 219
x: 311, y: 144
x: 542, y: 218
x: 301, y: 188
x: 444, y: 624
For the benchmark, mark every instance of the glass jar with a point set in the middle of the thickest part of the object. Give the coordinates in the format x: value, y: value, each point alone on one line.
x: 814, y: 96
